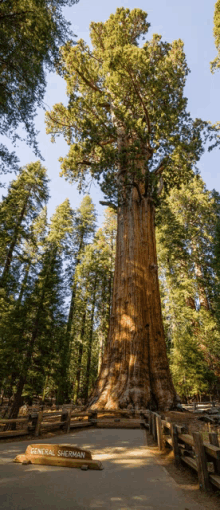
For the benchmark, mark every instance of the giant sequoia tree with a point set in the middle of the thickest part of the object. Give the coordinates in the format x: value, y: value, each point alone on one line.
x: 127, y: 124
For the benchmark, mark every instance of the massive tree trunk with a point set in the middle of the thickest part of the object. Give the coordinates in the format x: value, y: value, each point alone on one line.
x: 135, y: 369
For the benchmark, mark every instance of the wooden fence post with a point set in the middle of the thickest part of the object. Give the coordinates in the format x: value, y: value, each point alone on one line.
x: 159, y: 432
x: 92, y: 417
x: 64, y: 418
x: 154, y: 431
x: 213, y: 439
x: 38, y: 425
x: 174, y: 436
x: 68, y: 420
x: 150, y: 422
x: 153, y: 425
x: 33, y: 418
x: 203, y: 474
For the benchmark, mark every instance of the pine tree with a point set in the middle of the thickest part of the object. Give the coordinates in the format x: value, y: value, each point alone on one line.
x: 45, y: 305
x: 107, y: 242
x: 126, y: 123
x: 25, y: 197
x: 14, y: 313
x: 216, y: 251
x: 18, y: 220
x: 93, y: 278
x: 186, y: 256
x: 83, y: 229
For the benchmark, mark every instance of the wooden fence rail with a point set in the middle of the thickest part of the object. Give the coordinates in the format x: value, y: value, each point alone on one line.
x: 200, y: 406
x: 202, y: 456
x: 37, y: 423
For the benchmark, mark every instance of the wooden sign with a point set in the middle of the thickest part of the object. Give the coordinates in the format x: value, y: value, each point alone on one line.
x: 65, y: 455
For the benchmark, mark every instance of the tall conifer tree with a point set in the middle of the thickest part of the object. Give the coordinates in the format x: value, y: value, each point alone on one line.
x: 186, y: 241
x: 45, y: 304
x: 83, y: 229
x: 26, y: 196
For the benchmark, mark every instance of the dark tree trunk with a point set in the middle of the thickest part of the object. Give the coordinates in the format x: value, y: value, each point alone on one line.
x: 80, y: 354
x: 13, y: 244
x: 89, y: 353
x: 23, y: 285
x: 17, y: 398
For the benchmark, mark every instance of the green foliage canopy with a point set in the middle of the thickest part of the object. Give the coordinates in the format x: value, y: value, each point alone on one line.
x: 215, y: 64
x: 189, y: 284
x: 31, y: 32
x: 126, y: 111
x: 23, y: 203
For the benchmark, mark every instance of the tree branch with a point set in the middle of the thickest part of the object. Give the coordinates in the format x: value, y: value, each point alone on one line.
x: 15, y: 14
x: 135, y: 184
x: 100, y: 40
x: 105, y: 105
x: 91, y: 111
x: 107, y: 142
x: 58, y: 121
x: 84, y: 162
x: 91, y: 85
x: 160, y: 168
x: 109, y: 204
x: 160, y: 189
x: 142, y: 102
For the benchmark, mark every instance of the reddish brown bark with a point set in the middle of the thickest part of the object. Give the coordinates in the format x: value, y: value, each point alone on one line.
x: 135, y: 369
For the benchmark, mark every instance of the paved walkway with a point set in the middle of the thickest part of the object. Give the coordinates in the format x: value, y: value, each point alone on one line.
x: 131, y: 479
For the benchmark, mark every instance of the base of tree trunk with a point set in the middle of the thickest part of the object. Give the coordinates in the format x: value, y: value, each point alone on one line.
x: 110, y: 398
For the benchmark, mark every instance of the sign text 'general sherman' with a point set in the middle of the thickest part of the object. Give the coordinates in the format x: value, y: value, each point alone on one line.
x: 61, y: 453
x: 65, y: 455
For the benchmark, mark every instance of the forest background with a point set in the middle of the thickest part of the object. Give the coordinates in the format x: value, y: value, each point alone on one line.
x: 193, y: 23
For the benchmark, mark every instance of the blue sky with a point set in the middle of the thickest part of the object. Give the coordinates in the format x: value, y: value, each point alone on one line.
x: 191, y: 21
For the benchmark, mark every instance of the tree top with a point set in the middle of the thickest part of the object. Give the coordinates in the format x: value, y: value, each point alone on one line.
x: 127, y: 113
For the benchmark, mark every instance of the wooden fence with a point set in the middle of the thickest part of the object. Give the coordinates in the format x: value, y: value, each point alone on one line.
x: 200, y: 406
x: 37, y: 423
x: 202, y: 456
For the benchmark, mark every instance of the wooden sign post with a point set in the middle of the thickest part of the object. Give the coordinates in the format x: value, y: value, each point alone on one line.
x: 65, y: 455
